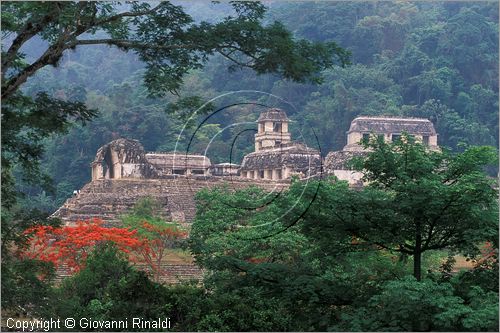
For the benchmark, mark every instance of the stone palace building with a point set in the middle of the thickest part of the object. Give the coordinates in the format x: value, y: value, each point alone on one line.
x: 122, y: 172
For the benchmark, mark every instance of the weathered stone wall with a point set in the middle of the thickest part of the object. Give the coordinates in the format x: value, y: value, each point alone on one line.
x: 389, y: 126
x: 173, y: 273
x: 166, y: 163
x: 107, y: 199
x: 122, y: 158
x: 337, y: 164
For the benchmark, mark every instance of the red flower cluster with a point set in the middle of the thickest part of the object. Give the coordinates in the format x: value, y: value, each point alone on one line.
x: 70, y: 245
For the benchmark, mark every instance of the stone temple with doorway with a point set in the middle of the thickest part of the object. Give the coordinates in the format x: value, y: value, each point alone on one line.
x: 125, y: 158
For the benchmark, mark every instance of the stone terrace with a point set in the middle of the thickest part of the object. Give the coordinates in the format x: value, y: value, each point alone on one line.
x: 107, y: 199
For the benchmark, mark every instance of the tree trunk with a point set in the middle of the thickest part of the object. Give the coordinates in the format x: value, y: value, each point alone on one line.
x: 417, y: 253
x: 158, y: 269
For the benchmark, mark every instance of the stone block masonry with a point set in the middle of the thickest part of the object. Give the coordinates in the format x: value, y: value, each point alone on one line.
x: 108, y: 199
x: 174, y: 273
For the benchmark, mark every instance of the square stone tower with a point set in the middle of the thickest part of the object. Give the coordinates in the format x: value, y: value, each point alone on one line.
x: 273, y: 130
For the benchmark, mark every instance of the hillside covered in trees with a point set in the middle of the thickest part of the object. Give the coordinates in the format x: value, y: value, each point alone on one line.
x: 433, y: 60
x: 412, y: 248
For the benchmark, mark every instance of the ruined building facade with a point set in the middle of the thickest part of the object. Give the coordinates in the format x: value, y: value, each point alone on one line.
x: 125, y: 158
x: 122, y: 172
x: 122, y: 158
x: 276, y: 156
x: 389, y: 129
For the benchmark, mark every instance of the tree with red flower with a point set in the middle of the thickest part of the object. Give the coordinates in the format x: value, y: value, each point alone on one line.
x: 71, y: 245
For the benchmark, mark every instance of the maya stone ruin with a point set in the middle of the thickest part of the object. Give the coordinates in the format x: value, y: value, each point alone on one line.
x: 122, y: 172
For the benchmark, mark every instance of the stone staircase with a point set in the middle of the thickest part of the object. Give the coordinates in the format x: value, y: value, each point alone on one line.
x: 171, y: 273
x: 177, y: 273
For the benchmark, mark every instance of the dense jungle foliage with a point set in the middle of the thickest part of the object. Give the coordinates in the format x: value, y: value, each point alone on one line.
x: 320, y: 256
x: 434, y: 60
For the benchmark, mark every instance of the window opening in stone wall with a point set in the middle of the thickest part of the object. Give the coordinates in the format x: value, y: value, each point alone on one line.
x: 277, y: 127
x: 396, y: 137
x: 105, y: 170
x: 366, y: 137
x: 108, y: 168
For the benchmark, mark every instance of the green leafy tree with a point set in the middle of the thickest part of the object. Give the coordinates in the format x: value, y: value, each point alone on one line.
x: 419, y: 200
x: 245, y: 309
x: 164, y: 36
x: 26, y: 123
x: 325, y: 251
x: 26, y: 286
x: 108, y: 288
x: 466, y: 38
x: 409, y: 305
x: 454, y: 129
x: 275, y: 252
x: 330, y: 255
x: 159, y: 236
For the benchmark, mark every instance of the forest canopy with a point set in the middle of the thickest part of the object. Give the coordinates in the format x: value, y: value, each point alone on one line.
x: 164, y: 38
x: 378, y: 257
x: 433, y: 60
